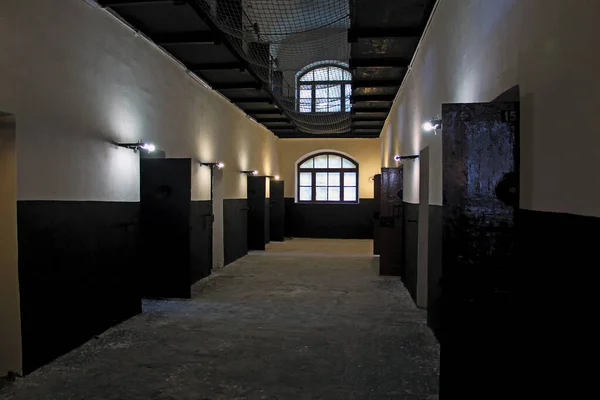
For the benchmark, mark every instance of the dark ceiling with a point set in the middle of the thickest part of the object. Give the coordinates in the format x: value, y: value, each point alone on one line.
x: 383, y: 34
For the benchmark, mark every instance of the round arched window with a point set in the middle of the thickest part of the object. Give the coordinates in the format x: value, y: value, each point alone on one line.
x: 327, y: 177
x: 324, y: 89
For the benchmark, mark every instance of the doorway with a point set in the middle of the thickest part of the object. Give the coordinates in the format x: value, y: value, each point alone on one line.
x: 391, y: 227
x: 10, y: 319
x: 481, y: 198
x: 277, y: 210
x: 258, y: 217
x: 165, y: 221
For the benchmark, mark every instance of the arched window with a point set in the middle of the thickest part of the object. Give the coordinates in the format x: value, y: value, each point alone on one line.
x: 327, y: 177
x: 324, y: 89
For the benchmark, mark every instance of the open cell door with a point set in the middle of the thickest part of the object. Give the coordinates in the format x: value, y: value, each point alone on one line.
x: 277, y: 210
x: 391, y: 222
x: 480, y: 201
x: 165, y: 201
x: 376, y: 212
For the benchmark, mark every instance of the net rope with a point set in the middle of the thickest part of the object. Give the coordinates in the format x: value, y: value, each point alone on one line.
x: 280, y: 40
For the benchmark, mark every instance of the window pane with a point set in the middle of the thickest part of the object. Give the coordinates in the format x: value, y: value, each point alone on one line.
x: 322, y: 105
x: 346, y: 75
x: 348, y: 105
x: 305, y: 178
x: 347, y: 102
x: 321, y: 91
x: 349, y: 194
x: 336, y: 74
x: 333, y: 194
x: 308, y: 164
x: 321, y: 179
x: 335, y: 161
x: 335, y: 105
x: 305, y: 194
x: 305, y: 106
x: 334, y: 178
x: 321, y: 194
x: 349, y: 178
x: 348, y: 164
x: 335, y: 92
x: 308, y: 77
x: 321, y: 161
x: 321, y: 74
x: 306, y: 94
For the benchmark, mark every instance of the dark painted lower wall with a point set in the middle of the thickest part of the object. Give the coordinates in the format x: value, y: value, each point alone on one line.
x: 555, y: 297
x: 200, y: 240
x: 336, y: 221
x: 411, y: 247
x: 267, y: 220
x: 552, y: 298
x: 434, y: 270
x: 77, y: 273
x: 235, y: 226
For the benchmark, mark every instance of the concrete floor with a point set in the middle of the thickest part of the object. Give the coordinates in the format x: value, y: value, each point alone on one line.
x: 290, y: 323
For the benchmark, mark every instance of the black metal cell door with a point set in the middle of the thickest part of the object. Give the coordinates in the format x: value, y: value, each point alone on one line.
x: 257, y: 233
x: 480, y: 201
x: 376, y: 212
x: 165, y: 201
x: 277, y: 203
x: 201, y: 240
x: 391, y: 222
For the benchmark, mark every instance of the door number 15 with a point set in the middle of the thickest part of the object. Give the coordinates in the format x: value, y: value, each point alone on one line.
x: 509, y: 116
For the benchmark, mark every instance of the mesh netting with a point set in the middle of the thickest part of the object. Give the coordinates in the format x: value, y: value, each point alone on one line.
x: 280, y: 39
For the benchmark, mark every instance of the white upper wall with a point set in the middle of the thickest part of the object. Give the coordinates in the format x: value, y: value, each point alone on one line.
x: 476, y: 49
x: 77, y: 79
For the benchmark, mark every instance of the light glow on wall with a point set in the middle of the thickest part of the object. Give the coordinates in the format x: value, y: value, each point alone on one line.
x: 123, y: 170
x: 124, y: 119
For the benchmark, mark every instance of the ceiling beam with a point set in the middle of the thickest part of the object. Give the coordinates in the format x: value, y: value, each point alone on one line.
x: 236, y: 85
x: 216, y: 66
x: 277, y: 125
x: 267, y: 120
x: 395, y: 62
x: 357, y: 126
x: 359, y: 109
x: 365, y: 118
x: 372, y: 97
x: 195, y: 5
x: 172, y: 38
x: 379, y: 33
x: 268, y: 111
x: 251, y: 100
x: 369, y: 83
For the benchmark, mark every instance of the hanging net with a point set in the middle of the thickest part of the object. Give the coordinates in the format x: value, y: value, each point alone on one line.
x: 283, y: 42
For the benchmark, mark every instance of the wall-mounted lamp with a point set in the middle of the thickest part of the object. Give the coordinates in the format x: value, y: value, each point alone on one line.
x: 432, y: 125
x: 371, y: 179
x: 149, y: 147
x: 218, y: 165
x: 274, y: 177
x: 399, y: 158
x: 252, y: 172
